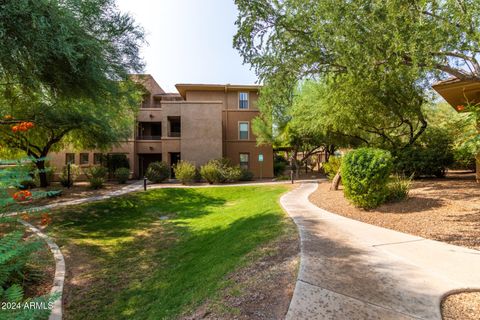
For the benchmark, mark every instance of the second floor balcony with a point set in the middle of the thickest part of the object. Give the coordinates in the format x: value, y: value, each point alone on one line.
x: 149, y: 131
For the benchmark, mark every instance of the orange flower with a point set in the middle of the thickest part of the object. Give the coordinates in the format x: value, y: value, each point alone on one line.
x: 22, y: 195
x: 460, y: 108
x: 23, y: 126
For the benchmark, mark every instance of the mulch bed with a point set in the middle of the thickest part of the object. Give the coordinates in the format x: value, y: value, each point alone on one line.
x: 445, y: 209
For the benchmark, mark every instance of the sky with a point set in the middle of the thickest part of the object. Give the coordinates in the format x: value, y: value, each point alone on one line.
x: 189, y: 41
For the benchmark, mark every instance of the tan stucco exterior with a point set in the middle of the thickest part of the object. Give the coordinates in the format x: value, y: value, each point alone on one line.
x: 198, y: 124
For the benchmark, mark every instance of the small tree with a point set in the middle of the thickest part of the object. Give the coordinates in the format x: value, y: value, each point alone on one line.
x: 185, y: 171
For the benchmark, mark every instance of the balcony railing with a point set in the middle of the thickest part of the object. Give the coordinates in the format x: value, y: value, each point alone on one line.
x: 174, y: 134
x: 144, y: 137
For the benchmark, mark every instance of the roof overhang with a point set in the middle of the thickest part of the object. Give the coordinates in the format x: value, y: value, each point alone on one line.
x: 459, y: 92
x: 184, y: 87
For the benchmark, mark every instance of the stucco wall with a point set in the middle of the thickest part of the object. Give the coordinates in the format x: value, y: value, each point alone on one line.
x: 201, y: 132
x: 265, y: 169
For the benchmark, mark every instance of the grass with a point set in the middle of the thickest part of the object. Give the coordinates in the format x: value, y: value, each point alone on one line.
x: 159, y: 254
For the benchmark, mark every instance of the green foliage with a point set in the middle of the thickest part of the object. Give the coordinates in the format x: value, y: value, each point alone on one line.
x: 71, y: 48
x: 210, y: 233
x: 212, y: 171
x: 185, y: 172
x: 157, y: 172
x: 398, y: 188
x: 246, y: 175
x: 96, y: 176
x: 74, y: 173
x: 221, y: 170
x: 279, y: 165
x: 297, y: 39
x: 122, y: 175
x: 365, y: 174
x: 15, y: 248
x: 332, y: 166
x: 430, y: 156
x: 115, y: 161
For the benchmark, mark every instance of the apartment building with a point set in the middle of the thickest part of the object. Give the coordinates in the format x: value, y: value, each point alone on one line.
x: 199, y: 123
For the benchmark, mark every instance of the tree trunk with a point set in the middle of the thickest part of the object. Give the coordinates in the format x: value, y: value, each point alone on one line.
x: 336, y: 181
x: 42, y: 174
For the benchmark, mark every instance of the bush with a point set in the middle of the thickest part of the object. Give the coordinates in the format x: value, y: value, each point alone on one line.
x: 232, y: 174
x: 398, y: 188
x: 212, y: 171
x: 464, y: 158
x: 246, y: 175
x: 96, y: 176
x: 430, y: 156
x: 332, y: 166
x: 185, y: 172
x: 115, y: 161
x: 157, y: 172
x: 279, y: 165
x: 74, y: 173
x: 365, y: 173
x: 122, y: 175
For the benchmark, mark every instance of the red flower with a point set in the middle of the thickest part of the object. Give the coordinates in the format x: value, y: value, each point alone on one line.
x: 22, y: 195
x: 460, y: 108
x: 23, y: 126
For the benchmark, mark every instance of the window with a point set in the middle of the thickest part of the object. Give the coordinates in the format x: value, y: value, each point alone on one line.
x: 244, y: 160
x: 97, y: 158
x: 70, y: 158
x: 83, y: 158
x: 243, y: 100
x: 243, y: 131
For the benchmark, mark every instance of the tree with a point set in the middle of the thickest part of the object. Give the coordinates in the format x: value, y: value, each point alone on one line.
x: 64, y: 70
x: 56, y: 122
x: 301, y: 38
x: 73, y: 47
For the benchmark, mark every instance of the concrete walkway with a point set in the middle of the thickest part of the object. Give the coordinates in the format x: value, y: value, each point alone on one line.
x: 353, y: 270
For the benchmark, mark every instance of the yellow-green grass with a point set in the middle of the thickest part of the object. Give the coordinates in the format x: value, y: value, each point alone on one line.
x: 159, y: 254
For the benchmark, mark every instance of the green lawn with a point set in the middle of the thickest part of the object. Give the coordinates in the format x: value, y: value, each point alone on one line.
x: 130, y: 262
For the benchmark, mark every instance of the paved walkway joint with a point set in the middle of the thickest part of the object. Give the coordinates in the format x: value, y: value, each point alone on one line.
x: 353, y: 270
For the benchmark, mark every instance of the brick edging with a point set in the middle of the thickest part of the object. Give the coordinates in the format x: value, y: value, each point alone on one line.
x: 59, y: 278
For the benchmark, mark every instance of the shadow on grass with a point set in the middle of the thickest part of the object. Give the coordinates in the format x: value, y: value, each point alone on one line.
x: 127, y: 263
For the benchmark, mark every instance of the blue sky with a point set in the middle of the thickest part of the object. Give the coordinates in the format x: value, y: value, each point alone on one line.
x: 189, y: 41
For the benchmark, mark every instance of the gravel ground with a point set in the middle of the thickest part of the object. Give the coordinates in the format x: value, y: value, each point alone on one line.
x: 441, y: 209
x: 464, y: 306
x: 446, y: 210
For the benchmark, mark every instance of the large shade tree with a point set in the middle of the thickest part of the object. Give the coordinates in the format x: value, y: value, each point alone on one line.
x: 293, y: 40
x: 64, y: 69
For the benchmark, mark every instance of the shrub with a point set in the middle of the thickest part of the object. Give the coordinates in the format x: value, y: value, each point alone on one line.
x: 332, y: 166
x: 246, y: 175
x: 74, y: 173
x: 212, y: 171
x: 157, y: 172
x: 365, y: 173
x: 232, y: 174
x: 185, y: 171
x: 122, y: 175
x: 464, y: 158
x: 279, y: 165
x: 115, y: 161
x: 96, y: 176
x: 398, y: 188
x: 430, y: 156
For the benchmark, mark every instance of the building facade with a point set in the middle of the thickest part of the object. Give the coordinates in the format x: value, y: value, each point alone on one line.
x: 200, y: 123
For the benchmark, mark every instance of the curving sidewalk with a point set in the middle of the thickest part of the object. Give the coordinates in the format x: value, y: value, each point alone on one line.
x: 353, y: 270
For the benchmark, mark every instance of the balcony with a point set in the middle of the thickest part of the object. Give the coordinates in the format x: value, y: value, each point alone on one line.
x: 174, y: 127
x: 149, y: 131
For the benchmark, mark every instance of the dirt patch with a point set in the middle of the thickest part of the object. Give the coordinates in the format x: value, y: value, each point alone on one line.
x: 465, y: 306
x: 446, y: 209
x: 263, y: 288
